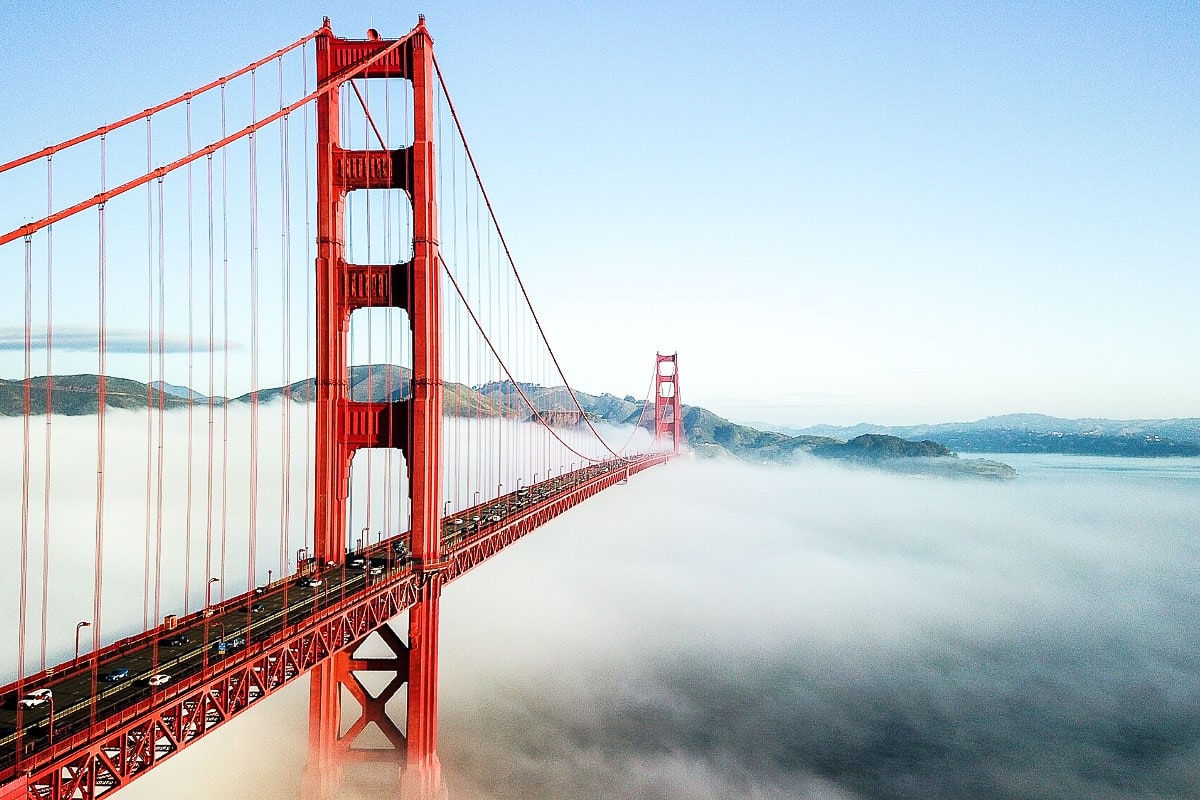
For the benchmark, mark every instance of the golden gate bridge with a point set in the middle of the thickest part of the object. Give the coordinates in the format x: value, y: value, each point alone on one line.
x: 316, y: 213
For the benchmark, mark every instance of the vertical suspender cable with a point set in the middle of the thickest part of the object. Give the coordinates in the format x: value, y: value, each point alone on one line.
x: 101, y: 413
x: 160, y: 453
x: 25, y: 455
x: 208, y: 525
x: 146, y: 584
x: 310, y: 396
x: 286, y: 398
x: 191, y: 383
x: 224, y: 351
x: 252, y: 567
x: 49, y: 404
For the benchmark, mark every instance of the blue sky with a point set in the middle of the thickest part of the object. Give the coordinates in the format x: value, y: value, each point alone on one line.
x: 835, y: 212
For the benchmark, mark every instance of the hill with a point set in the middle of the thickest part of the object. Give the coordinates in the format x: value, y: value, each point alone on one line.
x: 707, y: 433
x: 1037, y: 433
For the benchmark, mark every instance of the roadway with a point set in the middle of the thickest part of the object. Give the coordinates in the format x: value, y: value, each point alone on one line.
x: 81, y: 695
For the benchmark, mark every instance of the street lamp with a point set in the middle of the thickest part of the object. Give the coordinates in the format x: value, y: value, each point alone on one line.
x: 51, y: 699
x: 80, y: 626
x: 268, y: 577
x: 208, y: 593
x: 364, y: 536
x: 476, y: 499
x: 446, y: 511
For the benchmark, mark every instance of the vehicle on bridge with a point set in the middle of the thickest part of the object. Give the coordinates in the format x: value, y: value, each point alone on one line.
x: 114, y: 675
x: 161, y: 679
x: 38, y: 697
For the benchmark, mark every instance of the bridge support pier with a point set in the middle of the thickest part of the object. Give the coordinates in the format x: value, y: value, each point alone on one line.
x: 329, y: 748
x: 422, y: 776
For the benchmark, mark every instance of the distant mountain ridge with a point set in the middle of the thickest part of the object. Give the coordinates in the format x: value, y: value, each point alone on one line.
x: 707, y: 434
x: 1039, y: 433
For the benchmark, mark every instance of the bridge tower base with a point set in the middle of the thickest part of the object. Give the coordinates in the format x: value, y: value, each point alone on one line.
x: 330, y: 748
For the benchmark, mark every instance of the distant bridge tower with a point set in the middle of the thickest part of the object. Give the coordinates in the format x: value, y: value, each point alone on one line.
x: 668, y: 411
x: 344, y: 426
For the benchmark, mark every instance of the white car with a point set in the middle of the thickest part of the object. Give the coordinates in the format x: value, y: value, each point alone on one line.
x: 38, y: 697
x: 311, y: 583
x: 161, y: 679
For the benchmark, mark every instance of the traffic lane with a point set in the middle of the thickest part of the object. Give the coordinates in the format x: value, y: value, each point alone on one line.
x: 279, y: 606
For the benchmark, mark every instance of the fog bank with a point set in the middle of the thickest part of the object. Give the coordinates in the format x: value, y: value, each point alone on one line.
x: 716, y: 630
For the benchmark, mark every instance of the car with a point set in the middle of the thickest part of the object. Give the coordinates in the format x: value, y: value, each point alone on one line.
x: 115, y: 674
x: 38, y: 697
x: 260, y: 590
x: 175, y: 640
x: 376, y: 570
x: 310, y: 583
x: 257, y: 608
x: 357, y: 563
x: 161, y: 679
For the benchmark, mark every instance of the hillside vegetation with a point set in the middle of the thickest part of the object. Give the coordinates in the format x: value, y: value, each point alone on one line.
x: 706, y: 433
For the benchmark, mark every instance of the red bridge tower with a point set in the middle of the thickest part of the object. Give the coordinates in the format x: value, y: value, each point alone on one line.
x: 668, y: 412
x: 412, y: 425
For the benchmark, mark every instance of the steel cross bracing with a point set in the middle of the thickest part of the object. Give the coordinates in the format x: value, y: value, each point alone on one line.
x: 124, y: 743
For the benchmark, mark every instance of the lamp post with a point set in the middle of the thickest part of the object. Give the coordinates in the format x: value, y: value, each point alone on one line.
x: 78, y: 627
x: 268, y: 577
x: 208, y: 594
x: 51, y: 699
x: 364, y: 536
x: 446, y: 510
x: 476, y: 499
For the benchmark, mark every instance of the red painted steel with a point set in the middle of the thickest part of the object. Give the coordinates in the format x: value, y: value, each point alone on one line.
x: 412, y: 425
x: 668, y: 411
x: 16, y: 789
x: 126, y: 744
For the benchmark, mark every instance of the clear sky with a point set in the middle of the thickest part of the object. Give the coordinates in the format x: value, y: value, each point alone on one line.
x: 835, y: 212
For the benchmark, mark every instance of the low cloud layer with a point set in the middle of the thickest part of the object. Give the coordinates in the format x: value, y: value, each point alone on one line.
x: 819, y: 633
x: 717, y: 630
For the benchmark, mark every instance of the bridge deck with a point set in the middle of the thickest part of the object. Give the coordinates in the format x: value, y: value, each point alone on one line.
x: 105, y: 733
